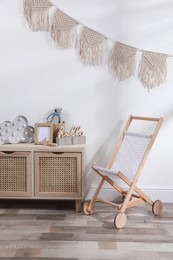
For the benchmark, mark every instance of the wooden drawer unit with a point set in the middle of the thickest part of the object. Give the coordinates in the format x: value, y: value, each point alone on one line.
x: 15, y: 174
x: 42, y: 172
x: 58, y: 174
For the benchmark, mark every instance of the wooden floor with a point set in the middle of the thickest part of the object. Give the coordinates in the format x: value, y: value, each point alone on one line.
x: 53, y: 230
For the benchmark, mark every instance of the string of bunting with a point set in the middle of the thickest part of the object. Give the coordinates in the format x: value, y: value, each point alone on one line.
x: 89, y: 44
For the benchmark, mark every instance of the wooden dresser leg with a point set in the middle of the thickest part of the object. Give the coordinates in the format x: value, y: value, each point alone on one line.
x: 78, y: 205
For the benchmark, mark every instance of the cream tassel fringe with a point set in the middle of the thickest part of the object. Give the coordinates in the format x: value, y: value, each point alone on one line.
x: 63, y: 38
x: 36, y: 12
x: 152, y: 69
x: 63, y: 30
x: 89, y: 46
x: 122, y: 61
x: 26, y: 9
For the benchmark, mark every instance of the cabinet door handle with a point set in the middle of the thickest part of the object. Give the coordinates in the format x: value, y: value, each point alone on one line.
x: 58, y: 152
x: 8, y: 152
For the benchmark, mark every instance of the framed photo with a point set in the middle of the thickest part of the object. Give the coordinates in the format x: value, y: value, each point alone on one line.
x: 43, y: 133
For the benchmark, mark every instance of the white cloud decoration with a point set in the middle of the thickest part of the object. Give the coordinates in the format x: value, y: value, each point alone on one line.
x: 17, y: 131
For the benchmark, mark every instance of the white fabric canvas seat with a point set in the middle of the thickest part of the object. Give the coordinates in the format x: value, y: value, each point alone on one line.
x: 129, y: 156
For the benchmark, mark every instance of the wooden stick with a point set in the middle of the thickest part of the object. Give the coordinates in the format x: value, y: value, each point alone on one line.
x: 92, y: 202
x: 114, y: 205
x: 136, y: 189
x: 113, y: 184
x: 135, y: 202
x: 145, y: 118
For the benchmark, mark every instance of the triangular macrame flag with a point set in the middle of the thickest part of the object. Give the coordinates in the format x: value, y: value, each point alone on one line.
x: 63, y: 30
x: 122, y: 60
x: 152, y: 69
x: 36, y: 12
x: 89, y: 46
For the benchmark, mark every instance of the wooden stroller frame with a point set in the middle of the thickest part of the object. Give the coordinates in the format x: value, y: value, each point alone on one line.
x: 130, y: 199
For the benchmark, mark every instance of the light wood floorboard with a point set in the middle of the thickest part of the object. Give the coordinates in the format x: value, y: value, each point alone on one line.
x: 54, y: 230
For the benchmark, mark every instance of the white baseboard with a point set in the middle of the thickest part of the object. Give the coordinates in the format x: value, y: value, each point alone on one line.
x: 164, y: 194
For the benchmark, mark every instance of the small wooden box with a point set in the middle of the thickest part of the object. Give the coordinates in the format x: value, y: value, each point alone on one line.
x: 66, y: 140
x: 79, y: 139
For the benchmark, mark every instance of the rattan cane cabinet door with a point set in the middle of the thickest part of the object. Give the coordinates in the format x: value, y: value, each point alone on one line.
x: 15, y: 174
x: 58, y: 174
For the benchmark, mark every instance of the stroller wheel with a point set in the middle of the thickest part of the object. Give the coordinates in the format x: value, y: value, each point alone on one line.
x: 120, y: 220
x: 157, y: 207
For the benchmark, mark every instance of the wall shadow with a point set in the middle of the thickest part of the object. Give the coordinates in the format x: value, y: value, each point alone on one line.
x: 103, y: 154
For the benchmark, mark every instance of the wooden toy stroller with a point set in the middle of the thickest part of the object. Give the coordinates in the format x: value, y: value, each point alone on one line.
x: 127, y: 161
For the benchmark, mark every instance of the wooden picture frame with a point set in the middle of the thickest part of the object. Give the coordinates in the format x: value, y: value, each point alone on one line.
x: 43, y: 133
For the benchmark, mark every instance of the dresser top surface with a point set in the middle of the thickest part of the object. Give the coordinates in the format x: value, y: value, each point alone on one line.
x: 34, y: 147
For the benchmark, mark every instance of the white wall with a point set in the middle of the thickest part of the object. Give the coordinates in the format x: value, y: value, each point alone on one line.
x: 34, y: 79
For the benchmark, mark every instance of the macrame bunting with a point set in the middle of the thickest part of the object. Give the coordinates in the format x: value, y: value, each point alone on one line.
x: 122, y: 60
x: 36, y: 13
x: 63, y: 30
x: 89, y: 46
x: 152, y: 69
